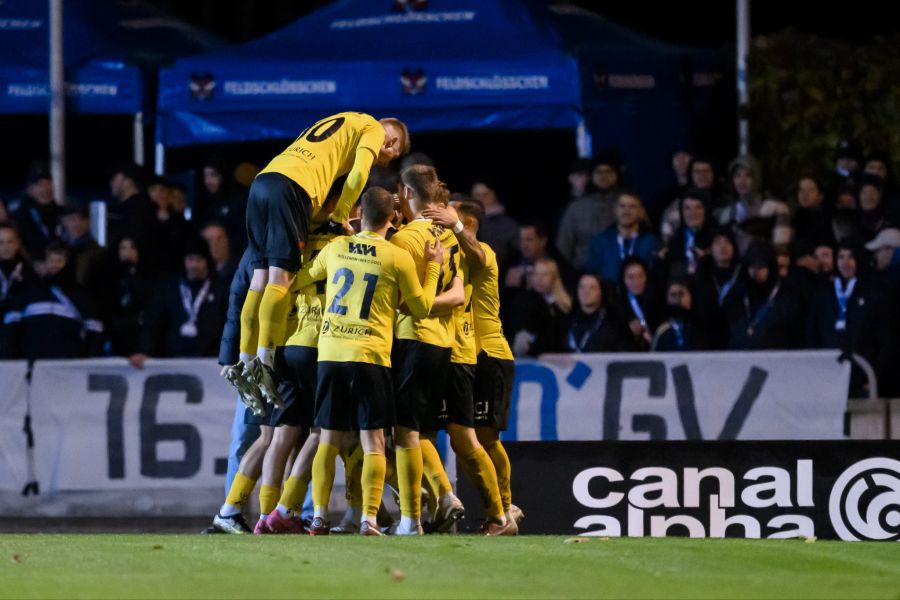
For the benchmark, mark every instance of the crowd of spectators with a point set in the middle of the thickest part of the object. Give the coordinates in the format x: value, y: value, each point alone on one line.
x: 718, y: 263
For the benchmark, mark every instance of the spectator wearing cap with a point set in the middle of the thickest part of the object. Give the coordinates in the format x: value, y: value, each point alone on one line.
x: 811, y: 220
x: 842, y: 312
x: 872, y: 210
x: 498, y: 230
x: 35, y: 211
x: 186, y: 316
x: 131, y: 210
x: 608, y: 250
x: 762, y: 313
x: 593, y: 213
x: 595, y: 327
x: 220, y: 199
x: 53, y: 317
x: 886, y: 279
x: 752, y: 213
x: 680, y: 332
x: 847, y: 166
x: 85, y: 254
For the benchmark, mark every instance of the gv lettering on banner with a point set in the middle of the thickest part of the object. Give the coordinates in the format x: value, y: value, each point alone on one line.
x: 691, y: 396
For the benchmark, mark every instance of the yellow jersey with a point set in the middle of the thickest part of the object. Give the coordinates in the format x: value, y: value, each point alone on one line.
x: 437, y: 330
x: 464, y: 346
x: 309, y: 300
x: 328, y: 150
x: 366, y: 277
x: 486, y: 308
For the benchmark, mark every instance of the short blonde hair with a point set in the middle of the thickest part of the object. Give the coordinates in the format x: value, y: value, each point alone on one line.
x: 404, y: 133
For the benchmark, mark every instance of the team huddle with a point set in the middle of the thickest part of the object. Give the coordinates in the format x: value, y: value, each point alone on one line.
x: 362, y: 342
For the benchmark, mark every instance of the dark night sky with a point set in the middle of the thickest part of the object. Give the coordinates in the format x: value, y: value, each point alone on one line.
x: 702, y: 22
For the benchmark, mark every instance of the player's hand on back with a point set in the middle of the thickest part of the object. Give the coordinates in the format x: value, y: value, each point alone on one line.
x: 434, y: 251
x: 445, y: 216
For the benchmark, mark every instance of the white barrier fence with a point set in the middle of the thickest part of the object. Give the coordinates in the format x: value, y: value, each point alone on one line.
x: 108, y: 437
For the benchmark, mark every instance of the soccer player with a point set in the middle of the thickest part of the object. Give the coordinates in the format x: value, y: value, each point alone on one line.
x: 459, y: 397
x: 366, y: 278
x: 495, y: 368
x: 283, y: 198
x: 422, y: 354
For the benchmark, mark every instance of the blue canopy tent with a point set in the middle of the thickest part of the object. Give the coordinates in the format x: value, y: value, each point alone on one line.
x: 438, y: 65
x: 110, y: 50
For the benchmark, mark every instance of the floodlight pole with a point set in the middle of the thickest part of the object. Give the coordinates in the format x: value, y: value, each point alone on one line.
x: 57, y: 102
x: 743, y: 49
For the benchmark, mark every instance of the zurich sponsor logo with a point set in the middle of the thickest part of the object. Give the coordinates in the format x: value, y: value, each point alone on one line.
x: 865, y: 501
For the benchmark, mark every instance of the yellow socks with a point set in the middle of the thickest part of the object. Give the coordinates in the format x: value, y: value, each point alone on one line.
x: 273, y: 310
x: 434, y: 469
x: 481, y: 473
x: 409, y: 478
x: 249, y: 328
x: 353, y: 465
x: 323, y: 477
x: 373, y: 467
x: 268, y: 498
x: 294, y: 493
x: 498, y: 456
x: 241, y: 488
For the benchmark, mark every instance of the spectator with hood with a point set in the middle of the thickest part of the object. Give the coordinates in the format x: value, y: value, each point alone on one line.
x: 35, y: 212
x: 639, y: 307
x: 691, y: 242
x: 593, y: 213
x: 702, y: 177
x: 220, y: 199
x: 872, y: 213
x: 680, y: 332
x: 811, y: 220
x: 749, y: 211
x: 125, y: 298
x: 762, y: 313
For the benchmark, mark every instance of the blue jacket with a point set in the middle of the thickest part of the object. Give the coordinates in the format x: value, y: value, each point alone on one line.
x: 605, y: 255
x: 231, y: 334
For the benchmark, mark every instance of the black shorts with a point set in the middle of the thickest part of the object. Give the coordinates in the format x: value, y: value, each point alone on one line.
x: 458, y: 406
x: 354, y: 396
x: 420, y: 375
x: 278, y: 212
x: 493, y: 391
x: 295, y: 369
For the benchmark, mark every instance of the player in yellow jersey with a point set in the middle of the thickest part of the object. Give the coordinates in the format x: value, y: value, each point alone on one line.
x: 422, y: 354
x: 463, y: 218
x: 284, y: 197
x: 495, y: 368
x: 366, y: 277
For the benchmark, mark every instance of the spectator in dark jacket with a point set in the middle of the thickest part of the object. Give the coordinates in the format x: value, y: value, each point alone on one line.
x: 811, y: 220
x: 638, y: 302
x: 169, y: 228
x: 608, y: 250
x: 872, y: 210
x: 186, y: 316
x: 86, y: 255
x: 692, y: 240
x: 130, y: 214
x: 36, y: 213
x: 762, y: 313
x: 717, y: 277
x: 125, y: 298
x: 533, y: 246
x: 680, y: 332
x: 224, y: 263
x: 540, y: 313
x: 221, y: 199
x: 54, y: 317
x: 595, y: 328
x: 499, y: 230
x: 16, y: 273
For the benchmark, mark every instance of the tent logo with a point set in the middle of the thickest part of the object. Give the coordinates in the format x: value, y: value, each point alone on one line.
x: 407, y: 5
x: 865, y: 501
x: 202, y: 85
x: 413, y: 82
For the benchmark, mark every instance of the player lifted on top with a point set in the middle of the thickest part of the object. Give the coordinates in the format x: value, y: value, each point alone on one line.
x: 284, y: 197
x: 366, y: 279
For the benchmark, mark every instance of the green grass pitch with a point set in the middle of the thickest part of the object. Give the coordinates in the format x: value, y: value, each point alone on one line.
x: 194, y: 566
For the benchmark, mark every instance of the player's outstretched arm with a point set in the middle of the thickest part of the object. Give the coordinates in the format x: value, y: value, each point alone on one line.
x: 353, y: 186
x: 419, y: 298
x: 446, y: 216
x: 313, y: 271
x: 447, y: 301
